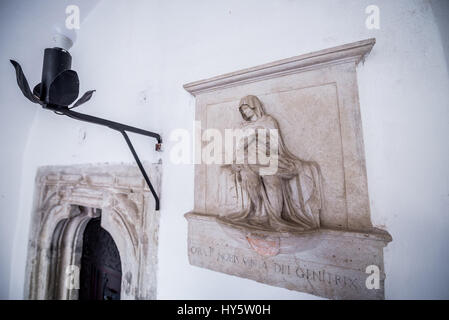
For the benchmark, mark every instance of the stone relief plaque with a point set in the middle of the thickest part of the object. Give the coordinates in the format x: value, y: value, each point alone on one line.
x: 299, y: 219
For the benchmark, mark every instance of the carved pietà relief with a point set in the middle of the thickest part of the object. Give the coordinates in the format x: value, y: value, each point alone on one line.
x: 301, y: 221
x: 289, y: 198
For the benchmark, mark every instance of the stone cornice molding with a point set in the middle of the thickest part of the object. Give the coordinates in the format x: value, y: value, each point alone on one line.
x: 352, y: 52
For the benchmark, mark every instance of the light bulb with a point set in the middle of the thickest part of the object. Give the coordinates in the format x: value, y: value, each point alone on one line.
x: 63, y: 37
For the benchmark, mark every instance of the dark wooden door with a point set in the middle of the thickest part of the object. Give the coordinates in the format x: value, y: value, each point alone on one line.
x: 101, y: 271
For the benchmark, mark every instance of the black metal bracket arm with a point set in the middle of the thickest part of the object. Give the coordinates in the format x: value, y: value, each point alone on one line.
x: 122, y: 128
x: 60, y: 88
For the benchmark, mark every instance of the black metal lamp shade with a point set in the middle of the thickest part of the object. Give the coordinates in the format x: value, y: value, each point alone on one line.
x: 59, y: 86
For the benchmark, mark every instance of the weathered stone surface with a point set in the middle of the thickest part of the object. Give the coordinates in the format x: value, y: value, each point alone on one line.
x: 317, y: 205
x: 66, y: 198
x: 325, y: 262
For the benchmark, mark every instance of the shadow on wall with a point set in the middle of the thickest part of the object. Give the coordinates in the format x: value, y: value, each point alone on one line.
x: 440, y: 10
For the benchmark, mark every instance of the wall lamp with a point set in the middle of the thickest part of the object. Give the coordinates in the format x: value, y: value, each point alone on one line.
x: 60, y: 88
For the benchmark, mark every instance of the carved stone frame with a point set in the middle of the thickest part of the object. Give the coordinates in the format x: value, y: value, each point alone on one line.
x: 66, y: 198
x: 332, y: 261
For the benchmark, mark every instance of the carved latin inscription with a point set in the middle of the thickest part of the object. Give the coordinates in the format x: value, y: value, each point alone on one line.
x: 298, y: 271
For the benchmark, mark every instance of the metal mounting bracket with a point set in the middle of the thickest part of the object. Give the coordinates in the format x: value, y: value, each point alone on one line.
x: 122, y: 128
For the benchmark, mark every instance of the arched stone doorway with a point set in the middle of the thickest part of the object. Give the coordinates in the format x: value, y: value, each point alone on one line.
x: 66, y: 199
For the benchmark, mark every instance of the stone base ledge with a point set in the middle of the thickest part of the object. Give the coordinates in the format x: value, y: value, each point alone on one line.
x: 325, y: 262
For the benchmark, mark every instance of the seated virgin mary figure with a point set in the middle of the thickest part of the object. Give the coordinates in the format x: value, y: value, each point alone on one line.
x: 289, y: 199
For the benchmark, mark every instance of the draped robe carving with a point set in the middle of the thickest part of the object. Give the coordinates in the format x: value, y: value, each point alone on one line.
x: 289, y: 199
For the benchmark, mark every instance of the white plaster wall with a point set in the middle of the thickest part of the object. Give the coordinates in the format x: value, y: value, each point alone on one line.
x: 138, y: 54
x: 15, y: 124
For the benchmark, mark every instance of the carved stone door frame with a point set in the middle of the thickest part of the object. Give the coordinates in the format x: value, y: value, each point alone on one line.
x: 66, y: 198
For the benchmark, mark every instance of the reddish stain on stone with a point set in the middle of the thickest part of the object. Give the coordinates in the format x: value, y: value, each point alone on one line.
x: 264, y: 247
